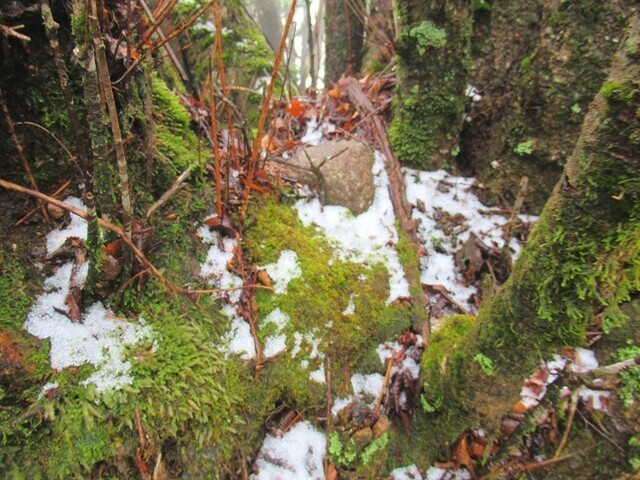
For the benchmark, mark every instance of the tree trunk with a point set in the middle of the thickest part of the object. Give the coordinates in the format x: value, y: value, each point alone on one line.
x: 537, y: 66
x: 269, y: 16
x: 581, y: 263
x: 343, y: 46
x: 435, y: 59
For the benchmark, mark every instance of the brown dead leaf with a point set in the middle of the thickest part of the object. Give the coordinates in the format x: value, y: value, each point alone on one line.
x: 520, y: 407
x: 331, y: 473
x: 222, y: 224
x: 114, y: 248
x: 263, y: 278
x: 461, y: 455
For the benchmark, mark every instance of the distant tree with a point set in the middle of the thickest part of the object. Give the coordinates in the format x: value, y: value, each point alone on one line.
x: 344, y: 40
x: 269, y: 19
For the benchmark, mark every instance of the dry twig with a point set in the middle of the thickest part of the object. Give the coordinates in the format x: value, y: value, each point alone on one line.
x: 105, y: 81
x: 263, y: 115
x: 20, y: 149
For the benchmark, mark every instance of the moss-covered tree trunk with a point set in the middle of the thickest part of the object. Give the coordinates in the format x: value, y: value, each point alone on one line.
x: 581, y: 262
x: 343, y: 45
x: 537, y: 66
x: 434, y: 59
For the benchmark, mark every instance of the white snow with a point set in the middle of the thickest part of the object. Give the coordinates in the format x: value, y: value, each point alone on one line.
x: 367, y: 238
x: 313, y: 134
x: 584, y: 361
x: 214, y: 269
x: 238, y: 338
x: 435, y: 473
x: 278, y: 318
x: 76, y: 228
x: 580, y: 361
x: 388, y: 349
x: 442, y: 194
x: 599, y: 398
x: 473, y: 93
x: 284, y: 270
x: 406, y: 473
x: 100, y: 338
x: 274, y: 345
x: 297, y: 455
x: 351, y: 307
x: 318, y: 375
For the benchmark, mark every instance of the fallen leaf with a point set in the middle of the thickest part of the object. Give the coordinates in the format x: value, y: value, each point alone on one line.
x: 114, y: 248
x: 263, y: 278
x: 296, y: 108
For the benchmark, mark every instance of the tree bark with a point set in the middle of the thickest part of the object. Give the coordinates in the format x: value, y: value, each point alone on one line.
x: 537, y: 66
x: 343, y: 46
x: 435, y: 59
x: 269, y: 16
x: 582, y: 260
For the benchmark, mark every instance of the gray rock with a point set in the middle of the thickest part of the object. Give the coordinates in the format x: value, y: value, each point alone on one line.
x: 342, y: 171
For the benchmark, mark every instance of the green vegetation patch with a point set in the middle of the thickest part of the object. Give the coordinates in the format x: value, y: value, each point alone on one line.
x: 315, y: 302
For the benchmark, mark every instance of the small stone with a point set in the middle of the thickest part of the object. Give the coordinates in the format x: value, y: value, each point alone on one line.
x: 363, y: 437
x: 342, y: 171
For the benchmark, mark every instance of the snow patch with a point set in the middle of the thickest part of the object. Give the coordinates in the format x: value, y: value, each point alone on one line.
x: 99, y: 338
x: 437, y: 194
x: 284, y: 270
x: 296, y: 455
x: 76, y: 228
x: 406, y: 473
x: 366, y: 238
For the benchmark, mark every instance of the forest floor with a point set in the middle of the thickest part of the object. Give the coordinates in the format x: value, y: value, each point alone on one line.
x: 314, y: 373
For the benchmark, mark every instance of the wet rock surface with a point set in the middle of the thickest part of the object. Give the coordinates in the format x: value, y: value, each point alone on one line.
x: 341, y: 170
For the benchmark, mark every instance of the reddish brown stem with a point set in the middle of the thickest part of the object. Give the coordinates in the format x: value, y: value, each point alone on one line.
x: 214, y: 136
x: 225, y: 90
x: 263, y: 114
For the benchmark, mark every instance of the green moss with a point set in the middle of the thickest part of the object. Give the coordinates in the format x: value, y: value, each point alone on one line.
x: 15, y: 300
x: 618, y: 92
x: 427, y: 34
x: 315, y: 301
x: 431, y: 96
x: 441, y: 359
x: 176, y: 145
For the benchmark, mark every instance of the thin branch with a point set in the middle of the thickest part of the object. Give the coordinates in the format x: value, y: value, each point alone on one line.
x: 172, y: 55
x: 54, y: 195
x: 168, y: 194
x: 263, y: 114
x: 384, y: 386
x: 85, y: 215
x: 214, y: 138
x: 572, y: 413
x: 615, y: 368
x: 20, y: 149
x: 48, y: 132
x: 225, y: 90
x: 118, y: 231
x: 104, y: 79
x: 11, y: 32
